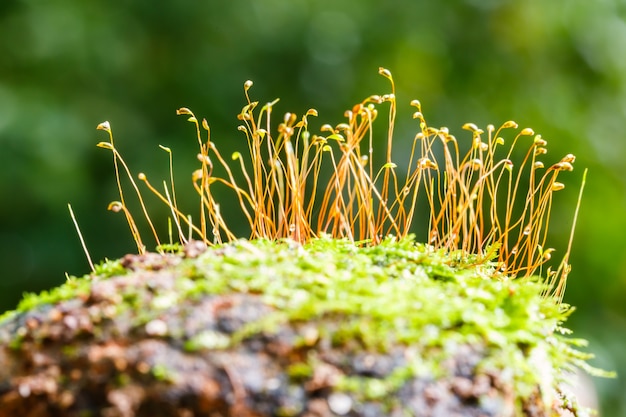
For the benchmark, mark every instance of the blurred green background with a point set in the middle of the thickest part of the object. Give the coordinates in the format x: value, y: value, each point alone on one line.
x: 557, y: 66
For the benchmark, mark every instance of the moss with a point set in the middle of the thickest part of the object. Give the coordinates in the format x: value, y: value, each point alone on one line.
x: 403, y: 292
x: 109, y: 268
x: 207, y: 340
x: 163, y: 373
x: 360, y: 299
x: 72, y: 288
x: 398, y: 292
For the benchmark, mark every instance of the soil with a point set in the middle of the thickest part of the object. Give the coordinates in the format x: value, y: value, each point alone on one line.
x: 85, y: 356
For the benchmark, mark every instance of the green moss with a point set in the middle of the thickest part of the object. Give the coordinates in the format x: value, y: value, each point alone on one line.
x: 174, y: 248
x: 374, y: 389
x: 162, y: 373
x: 72, y: 288
x: 398, y: 292
x: 374, y: 298
x: 299, y: 371
x: 109, y: 268
x: 207, y: 340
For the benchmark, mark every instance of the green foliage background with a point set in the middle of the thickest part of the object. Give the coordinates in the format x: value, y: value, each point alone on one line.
x: 65, y: 66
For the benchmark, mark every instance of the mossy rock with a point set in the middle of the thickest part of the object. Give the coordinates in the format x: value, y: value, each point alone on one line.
x: 275, y: 328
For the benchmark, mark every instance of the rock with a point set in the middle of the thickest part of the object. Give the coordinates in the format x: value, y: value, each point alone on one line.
x: 275, y: 329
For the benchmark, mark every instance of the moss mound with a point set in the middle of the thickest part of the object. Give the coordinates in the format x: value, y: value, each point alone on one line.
x: 276, y: 328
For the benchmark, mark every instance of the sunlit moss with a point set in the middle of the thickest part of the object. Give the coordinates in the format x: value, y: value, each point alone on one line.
x: 373, y: 299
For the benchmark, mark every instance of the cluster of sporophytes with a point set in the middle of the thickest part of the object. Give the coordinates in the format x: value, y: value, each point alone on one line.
x: 481, y: 202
